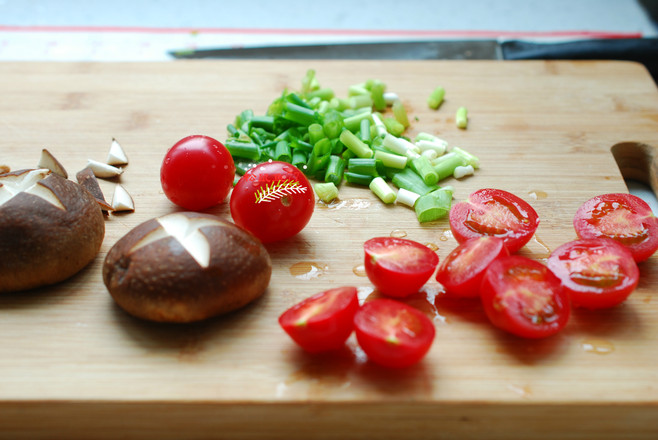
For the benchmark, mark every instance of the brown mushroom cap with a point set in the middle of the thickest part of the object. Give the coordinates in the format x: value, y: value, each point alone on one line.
x: 48, y: 232
x: 186, y: 267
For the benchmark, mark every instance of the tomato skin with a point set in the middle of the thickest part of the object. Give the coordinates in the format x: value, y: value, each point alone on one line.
x: 461, y: 272
x: 197, y: 173
x: 393, y: 334
x: 494, y: 212
x: 523, y: 297
x: 597, y: 273
x: 398, y: 267
x: 322, y: 322
x: 622, y: 217
x: 276, y: 215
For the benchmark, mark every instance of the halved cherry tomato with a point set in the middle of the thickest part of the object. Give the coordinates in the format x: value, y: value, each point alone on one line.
x: 393, y: 334
x: 197, y: 172
x: 273, y: 201
x: 596, y: 272
x: 323, y: 321
x: 523, y: 297
x: 462, y: 270
x: 494, y: 212
x: 398, y: 267
x: 624, y: 218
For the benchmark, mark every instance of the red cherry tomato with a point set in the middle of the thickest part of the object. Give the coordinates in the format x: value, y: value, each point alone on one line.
x: 322, y: 322
x: 523, y: 297
x: 393, y: 334
x: 197, y: 173
x: 494, y: 212
x: 596, y: 272
x: 398, y: 267
x: 273, y: 201
x: 624, y: 218
x: 462, y: 270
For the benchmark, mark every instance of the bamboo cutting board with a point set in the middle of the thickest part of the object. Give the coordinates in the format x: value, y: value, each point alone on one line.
x: 73, y: 365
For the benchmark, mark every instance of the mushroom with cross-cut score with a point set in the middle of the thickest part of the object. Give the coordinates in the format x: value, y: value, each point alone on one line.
x: 50, y: 228
x: 186, y: 267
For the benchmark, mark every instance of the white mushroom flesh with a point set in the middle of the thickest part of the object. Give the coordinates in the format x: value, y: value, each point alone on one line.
x: 28, y: 182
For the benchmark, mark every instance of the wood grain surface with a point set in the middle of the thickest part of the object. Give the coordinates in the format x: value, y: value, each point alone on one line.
x: 74, y: 365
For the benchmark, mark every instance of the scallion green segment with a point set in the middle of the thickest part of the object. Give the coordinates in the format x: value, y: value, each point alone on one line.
x: 382, y: 190
x: 327, y: 192
x: 433, y: 206
x: 356, y: 145
x: 436, y: 98
x: 461, y: 117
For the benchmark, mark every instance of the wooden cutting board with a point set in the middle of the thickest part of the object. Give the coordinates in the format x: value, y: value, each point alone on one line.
x: 72, y: 364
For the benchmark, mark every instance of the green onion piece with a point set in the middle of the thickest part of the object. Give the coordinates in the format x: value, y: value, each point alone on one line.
x: 299, y: 114
x: 246, y: 150
x: 424, y: 136
x: 436, y: 98
x: 377, y: 93
x: 326, y: 191
x: 393, y: 126
x: 439, y: 147
x: 364, y: 131
x: 468, y: 157
x: 382, y: 190
x: 406, y: 197
x: 461, y: 117
x: 294, y: 98
x: 299, y: 158
x: 411, y: 181
x: 242, y: 166
x: 433, y: 206
x: 369, y: 166
x: 265, y: 122
x: 359, y: 101
x: 357, y: 90
x: 316, y: 164
x: 380, y: 127
x: 397, y: 145
x: 298, y: 144
x: 424, y: 169
x: 232, y: 130
x: 353, y: 123
x: 309, y: 82
x: 282, y: 152
x: 322, y: 147
x: 335, y: 170
x: 325, y: 94
x: 244, y: 117
x: 355, y: 144
x: 391, y: 160
x: 315, y: 133
x: 333, y: 124
x: 359, y: 179
x: 400, y: 113
x: 445, y: 165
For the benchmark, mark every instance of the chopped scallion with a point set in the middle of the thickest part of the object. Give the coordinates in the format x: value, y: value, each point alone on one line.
x: 433, y: 206
x: 327, y: 192
x: 436, y: 98
x: 355, y: 144
x: 461, y: 117
x: 382, y: 190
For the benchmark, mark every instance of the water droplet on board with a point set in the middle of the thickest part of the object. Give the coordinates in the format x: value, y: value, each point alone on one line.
x: 359, y: 270
x: 539, y: 248
x: 537, y: 195
x: 597, y: 346
x: 445, y: 235
x: 433, y: 246
x: 354, y: 204
x: 523, y: 391
x: 398, y: 233
x: 306, y: 270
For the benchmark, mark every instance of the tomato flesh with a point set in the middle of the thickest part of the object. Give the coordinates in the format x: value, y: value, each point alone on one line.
x: 622, y: 217
x: 274, y: 201
x: 461, y: 272
x: 197, y: 173
x: 323, y: 321
x: 398, y: 267
x: 597, y: 272
x: 393, y: 334
x: 523, y: 297
x: 494, y: 212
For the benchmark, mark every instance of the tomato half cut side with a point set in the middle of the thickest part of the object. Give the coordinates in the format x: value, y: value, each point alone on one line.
x: 393, y: 334
x: 494, y: 212
x: 323, y: 321
x: 273, y: 200
x: 461, y: 272
x: 398, y: 267
x: 523, y: 297
x: 622, y: 217
x: 597, y: 273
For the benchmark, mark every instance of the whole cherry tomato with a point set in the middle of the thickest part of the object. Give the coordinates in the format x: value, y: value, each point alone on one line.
x: 273, y: 201
x: 197, y: 173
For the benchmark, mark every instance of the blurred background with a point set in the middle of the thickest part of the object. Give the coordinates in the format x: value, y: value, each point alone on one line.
x: 153, y: 30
